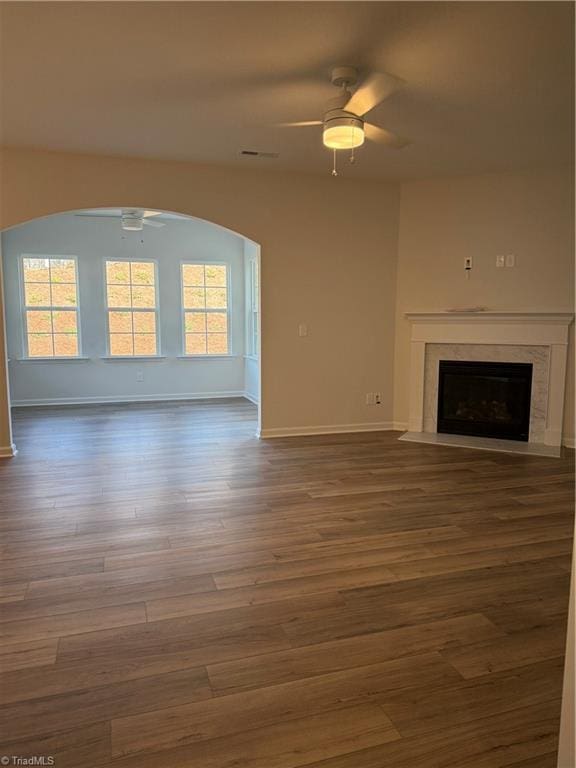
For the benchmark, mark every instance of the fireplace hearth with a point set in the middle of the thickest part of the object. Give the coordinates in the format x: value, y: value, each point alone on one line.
x: 487, y: 399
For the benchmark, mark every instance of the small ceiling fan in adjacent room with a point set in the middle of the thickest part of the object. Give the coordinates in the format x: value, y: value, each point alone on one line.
x: 344, y: 126
x: 131, y: 219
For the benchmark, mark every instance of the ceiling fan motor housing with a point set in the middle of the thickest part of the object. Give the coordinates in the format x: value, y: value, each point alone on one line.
x: 340, y: 117
x: 132, y: 221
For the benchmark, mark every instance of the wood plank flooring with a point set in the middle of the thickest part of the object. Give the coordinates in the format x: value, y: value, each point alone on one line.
x: 175, y: 593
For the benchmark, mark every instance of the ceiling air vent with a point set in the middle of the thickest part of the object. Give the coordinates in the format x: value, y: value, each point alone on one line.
x: 255, y: 153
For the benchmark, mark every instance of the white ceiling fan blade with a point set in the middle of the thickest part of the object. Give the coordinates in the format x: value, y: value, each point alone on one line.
x: 302, y: 124
x: 96, y: 216
x: 149, y: 223
x: 377, y: 87
x: 382, y: 136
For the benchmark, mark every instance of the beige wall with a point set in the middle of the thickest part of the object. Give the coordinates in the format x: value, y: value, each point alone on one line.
x: 328, y: 260
x: 442, y: 221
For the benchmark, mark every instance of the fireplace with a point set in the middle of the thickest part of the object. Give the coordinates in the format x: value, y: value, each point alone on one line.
x: 539, y: 339
x: 487, y: 399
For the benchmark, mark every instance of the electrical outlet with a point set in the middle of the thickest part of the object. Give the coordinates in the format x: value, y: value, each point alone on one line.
x: 369, y: 398
x: 510, y: 260
x: 302, y: 330
x: 377, y: 398
x: 139, y: 375
x: 468, y: 262
x: 500, y: 260
x: 373, y: 398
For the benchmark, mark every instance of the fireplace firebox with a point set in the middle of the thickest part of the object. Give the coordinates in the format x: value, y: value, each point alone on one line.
x: 484, y: 399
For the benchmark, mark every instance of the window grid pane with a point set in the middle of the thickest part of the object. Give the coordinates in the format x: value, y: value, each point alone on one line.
x: 51, y: 306
x: 253, y: 315
x: 131, y: 297
x: 205, y: 305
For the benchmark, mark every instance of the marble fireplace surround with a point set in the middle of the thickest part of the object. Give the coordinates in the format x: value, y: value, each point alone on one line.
x: 540, y: 338
x: 500, y: 353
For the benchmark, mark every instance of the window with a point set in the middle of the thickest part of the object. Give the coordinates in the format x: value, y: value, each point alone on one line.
x: 205, y: 303
x: 253, y: 308
x: 132, y: 308
x: 50, y: 306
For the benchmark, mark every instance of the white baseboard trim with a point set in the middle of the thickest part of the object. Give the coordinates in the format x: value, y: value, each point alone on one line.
x: 111, y: 399
x: 569, y: 442
x: 326, y: 429
x: 8, y: 451
x: 400, y: 426
x: 252, y: 398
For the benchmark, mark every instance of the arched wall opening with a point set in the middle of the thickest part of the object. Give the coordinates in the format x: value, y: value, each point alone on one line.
x: 329, y: 252
x: 221, y: 359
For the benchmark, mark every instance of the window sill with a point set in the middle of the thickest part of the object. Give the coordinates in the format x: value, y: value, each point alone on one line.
x: 51, y: 360
x: 251, y: 357
x: 207, y: 357
x: 133, y: 359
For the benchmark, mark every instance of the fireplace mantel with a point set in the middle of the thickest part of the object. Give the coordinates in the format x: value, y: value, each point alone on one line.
x: 491, y: 316
x: 497, y: 328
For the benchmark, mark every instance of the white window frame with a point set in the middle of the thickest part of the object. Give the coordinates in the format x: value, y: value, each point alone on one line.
x: 52, y: 308
x: 156, y: 309
x: 199, y: 263
x: 253, y: 309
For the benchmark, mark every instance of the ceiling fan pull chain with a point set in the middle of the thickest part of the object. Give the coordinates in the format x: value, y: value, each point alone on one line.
x: 334, y: 171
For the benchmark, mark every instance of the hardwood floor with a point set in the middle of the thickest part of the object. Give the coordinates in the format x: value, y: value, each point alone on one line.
x: 176, y: 593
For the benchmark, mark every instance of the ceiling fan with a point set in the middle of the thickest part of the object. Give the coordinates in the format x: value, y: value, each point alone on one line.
x: 131, y: 219
x: 344, y: 126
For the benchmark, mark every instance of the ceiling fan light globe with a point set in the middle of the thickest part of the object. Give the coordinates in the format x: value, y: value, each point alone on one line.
x: 343, y: 133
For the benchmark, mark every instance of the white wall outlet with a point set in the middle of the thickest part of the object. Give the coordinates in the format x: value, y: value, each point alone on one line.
x: 373, y: 398
x: 510, y: 260
x: 302, y: 330
x: 377, y: 398
x: 468, y: 262
x: 500, y: 260
x: 139, y: 375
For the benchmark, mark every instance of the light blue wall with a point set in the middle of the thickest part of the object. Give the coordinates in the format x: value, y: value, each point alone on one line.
x: 96, y: 379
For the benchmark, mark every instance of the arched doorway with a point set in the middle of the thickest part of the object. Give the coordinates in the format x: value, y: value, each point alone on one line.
x: 196, y: 311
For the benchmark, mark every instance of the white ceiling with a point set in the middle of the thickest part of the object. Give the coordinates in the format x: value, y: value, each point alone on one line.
x: 490, y: 85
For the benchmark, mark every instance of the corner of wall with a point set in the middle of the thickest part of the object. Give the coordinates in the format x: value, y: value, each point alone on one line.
x: 399, y: 412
